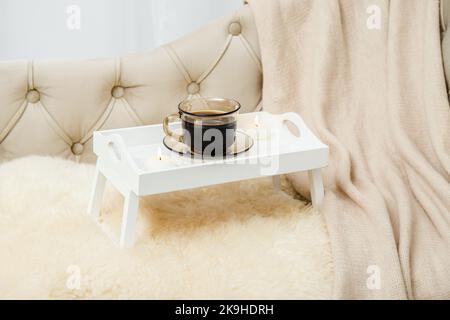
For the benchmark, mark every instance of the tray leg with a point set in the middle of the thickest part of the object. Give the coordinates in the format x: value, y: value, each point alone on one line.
x: 316, y: 186
x: 130, y: 211
x: 276, y: 180
x: 98, y: 189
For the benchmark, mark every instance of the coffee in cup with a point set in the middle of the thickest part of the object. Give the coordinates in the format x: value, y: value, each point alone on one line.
x: 209, y: 125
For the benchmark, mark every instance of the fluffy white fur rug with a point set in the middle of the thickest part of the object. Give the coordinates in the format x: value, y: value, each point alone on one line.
x: 240, y: 240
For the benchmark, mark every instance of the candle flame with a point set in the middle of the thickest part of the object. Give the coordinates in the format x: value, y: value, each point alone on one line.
x: 159, y: 154
x: 257, y: 121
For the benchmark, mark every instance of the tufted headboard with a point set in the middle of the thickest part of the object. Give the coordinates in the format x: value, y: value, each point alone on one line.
x: 53, y: 107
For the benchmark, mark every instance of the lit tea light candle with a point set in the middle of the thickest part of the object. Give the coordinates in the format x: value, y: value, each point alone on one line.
x: 160, y: 161
x: 261, y: 132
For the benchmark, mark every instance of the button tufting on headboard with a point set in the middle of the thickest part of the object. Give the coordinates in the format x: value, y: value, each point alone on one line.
x: 118, y: 92
x: 77, y: 149
x: 235, y: 28
x: 221, y: 59
x: 33, y: 96
x: 193, y: 88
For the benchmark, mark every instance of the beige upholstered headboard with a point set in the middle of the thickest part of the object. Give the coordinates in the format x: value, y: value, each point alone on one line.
x: 53, y: 107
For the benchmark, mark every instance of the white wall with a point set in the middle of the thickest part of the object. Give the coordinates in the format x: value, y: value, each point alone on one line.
x: 37, y: 29
x: 173, y: 18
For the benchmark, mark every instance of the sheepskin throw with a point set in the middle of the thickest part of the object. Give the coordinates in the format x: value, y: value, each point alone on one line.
x: 238, y: 241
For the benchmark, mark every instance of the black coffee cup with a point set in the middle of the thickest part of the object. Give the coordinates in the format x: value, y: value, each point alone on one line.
x: 209, y: 125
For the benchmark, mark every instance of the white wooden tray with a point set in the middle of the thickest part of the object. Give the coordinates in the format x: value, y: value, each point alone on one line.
x: 137, y: 163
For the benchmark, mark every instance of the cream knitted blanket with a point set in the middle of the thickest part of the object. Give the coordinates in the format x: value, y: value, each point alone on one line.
x: 367, y: 76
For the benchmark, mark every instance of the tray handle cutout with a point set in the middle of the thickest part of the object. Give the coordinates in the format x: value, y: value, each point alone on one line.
x: 294, y: 124
x: 293, y: 129
x: 116, y: 147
